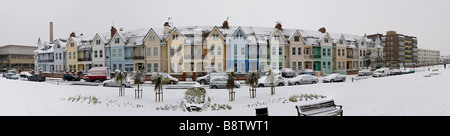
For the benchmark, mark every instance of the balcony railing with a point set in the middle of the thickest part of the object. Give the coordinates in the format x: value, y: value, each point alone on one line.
x: 84, y: 59
x: 317, y: 56
x: 129, y: 57
x: 349, y: 56
x: 138, y: 57
x: 50, y: 60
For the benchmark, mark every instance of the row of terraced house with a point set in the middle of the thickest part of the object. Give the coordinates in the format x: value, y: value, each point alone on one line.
x: 190, y: 49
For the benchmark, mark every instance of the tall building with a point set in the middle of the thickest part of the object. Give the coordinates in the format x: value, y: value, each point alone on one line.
x: 428, y: 57
x: 400, y: 49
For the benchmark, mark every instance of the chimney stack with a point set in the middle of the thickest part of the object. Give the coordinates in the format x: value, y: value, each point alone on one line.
x: 166, y: 27
x: 51, y: 31
x: 279, y: 26
x: 225, y: 24
x: 113, y: 31
x: 323, y: 30
x: 72, y: 34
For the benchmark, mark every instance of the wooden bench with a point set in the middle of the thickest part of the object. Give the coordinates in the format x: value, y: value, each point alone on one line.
x: 326, y: 108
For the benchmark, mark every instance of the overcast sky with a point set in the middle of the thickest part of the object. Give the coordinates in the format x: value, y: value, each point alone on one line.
x: 24, y: 21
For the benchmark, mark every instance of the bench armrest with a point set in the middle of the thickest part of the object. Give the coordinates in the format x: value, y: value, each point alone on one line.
x: 340, y: 106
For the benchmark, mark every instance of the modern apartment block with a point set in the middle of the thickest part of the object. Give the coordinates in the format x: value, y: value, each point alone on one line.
x: 400, y: 49
x: 428, y: 57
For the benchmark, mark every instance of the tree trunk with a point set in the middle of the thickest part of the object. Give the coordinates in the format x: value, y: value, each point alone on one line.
x: 162, y: 95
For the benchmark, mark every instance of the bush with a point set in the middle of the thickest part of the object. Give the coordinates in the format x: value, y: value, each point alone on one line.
x: 196, y: 95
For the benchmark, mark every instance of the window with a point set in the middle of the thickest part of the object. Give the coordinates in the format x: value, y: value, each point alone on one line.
x: 149, y: 67
x: 101, y: 53
x: 71, y: 44
x: 364, y: 52
x: 239, y: 36
x: 219, y: 50
x: 235, y: 67
x: 323, y: 52
x: 74, y: 55
x: 299, y: 51
x: 293, y: 51
x: 97, y: 42
x: 213, y: 65
x: 172, y: 67
x: 326, y: 40
x: 360, y: 52
x: 339, y: 52
x: 114, y: 53
x: 95, y: 54
x: 172, y: 51
x: 324, y: 65
x: 339, y: 65
x: 280, y: 65
x: 219, y: 65
x: 61, y: 55
x: 329, y: 52
x: 343, y: 52
x: 242, y: 67
x: 175, y: 37
x: 179, y: 51
x: 215, y: 36
x: 120, y: 52
x: 280, y: 50
x: 152, y: 38
x: 155, y: 51
x: 242, y: 51
x: 273, y: 51
x: 139, y: 52
x: 155, y: 67
x: 341, y: 41
x: 294, y: 66
x: 277, y: 37
x: 300, y: 65
x: 116, y: 40
x: 70, y: 67
x: 235, y: 50
x: 180, y: 65
x: 307, y: 51
x: 296, y: 38
x: 212, y: 50
x: 114, y: 66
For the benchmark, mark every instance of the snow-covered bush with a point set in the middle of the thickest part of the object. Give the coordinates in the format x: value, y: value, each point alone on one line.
x: 295, y: 98
x: 195, y: 95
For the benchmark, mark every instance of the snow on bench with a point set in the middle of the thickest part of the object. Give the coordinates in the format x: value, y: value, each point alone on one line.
x: 324, y: 108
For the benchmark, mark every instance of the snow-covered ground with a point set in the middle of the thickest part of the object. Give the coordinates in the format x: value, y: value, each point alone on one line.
x: 411, y: 94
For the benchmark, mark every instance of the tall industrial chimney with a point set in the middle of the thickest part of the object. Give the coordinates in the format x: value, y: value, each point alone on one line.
x: 51, y: 31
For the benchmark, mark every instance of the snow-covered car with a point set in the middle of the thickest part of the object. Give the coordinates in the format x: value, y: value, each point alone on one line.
x: 303, y: 79
x: 334, y: 77
x: 11, y: 76
x: 395, y: 72
x: 37, y: 77
x: 25, y: 74
x: 364, y: 72
x: 9, y: 71
x: 381, y: 72
x: 307, y: 72
x: 112, y: 83
x: 206, y: 79
x: 279, y: 81
x: 167, y: 79
x: 287, y: 72
x: 221, y: 83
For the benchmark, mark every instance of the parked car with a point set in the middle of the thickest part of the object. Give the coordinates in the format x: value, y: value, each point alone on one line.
x: 221, y: 83
x: 37, y: 77
x: 307, y: 72
x: 206, y: 79
x: 364, y: 72
x: 395, y: 72
x: 11, y: 76
x: 70, y: 77
x: 167, y: 79
x: 98, y: 74
x: 382, y: 72
x: 287, y: 72
x: 279, y: 81
x: 24, y: 74
x: 303, y: 79
x: 9, y: 71
x: 112, y: 83
x: 334, y: 77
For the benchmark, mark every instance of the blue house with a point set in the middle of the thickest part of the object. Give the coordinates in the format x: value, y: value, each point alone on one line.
x: 237, y: 52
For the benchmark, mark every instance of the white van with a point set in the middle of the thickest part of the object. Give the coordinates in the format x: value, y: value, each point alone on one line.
x: 382, y: 72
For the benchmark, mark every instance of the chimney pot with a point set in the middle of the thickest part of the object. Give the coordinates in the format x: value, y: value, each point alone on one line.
x: 323, y: 30
x: 166, y: 27
x: 113, y: 31
x: 225, y: 25
x: 279, y: 26
x: 72, y: 34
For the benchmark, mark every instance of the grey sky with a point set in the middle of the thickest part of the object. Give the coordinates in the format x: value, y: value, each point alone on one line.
x: 23, y: 21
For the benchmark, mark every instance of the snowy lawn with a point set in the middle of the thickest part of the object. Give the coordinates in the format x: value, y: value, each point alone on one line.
x: 411, y: 94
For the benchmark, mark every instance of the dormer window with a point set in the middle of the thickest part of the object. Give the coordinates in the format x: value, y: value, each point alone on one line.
x: 239, y: 36
x: 71, y: 44
x: 97, y: 42
x: 215, y: 36
x: 296, y: 38
x: 175, y: 37
x: 326, y: 40
x: 277, y: 37
x: 116, y: 40
x: 341, y: 42
x: 362, y: 43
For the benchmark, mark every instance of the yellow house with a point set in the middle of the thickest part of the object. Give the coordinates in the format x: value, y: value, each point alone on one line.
x: 72, y: 54
x: 216, y: 57
x: 175, y: 42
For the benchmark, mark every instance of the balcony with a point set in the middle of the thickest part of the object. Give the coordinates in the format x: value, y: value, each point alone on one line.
x: 50, y: 60
x: 138, y: 57
x: 129, y: 57
x: 84, y: 59
x: 349, y: 56
x: 317, y: 56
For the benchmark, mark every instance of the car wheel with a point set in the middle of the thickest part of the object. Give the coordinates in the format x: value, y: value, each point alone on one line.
x: 214, y: 87
x: 260, y: 85
x: 331, y: 81
x: 105, y: 85
x: 97, y: 81
x: 124, y: 86
x: 296, y: 83
x: 343, y: 79
x: 313, y: 82
x: 203, y: 82
x: 280, y: 84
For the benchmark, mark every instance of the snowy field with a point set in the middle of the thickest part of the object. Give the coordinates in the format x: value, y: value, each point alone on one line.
x: 402, y: 95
